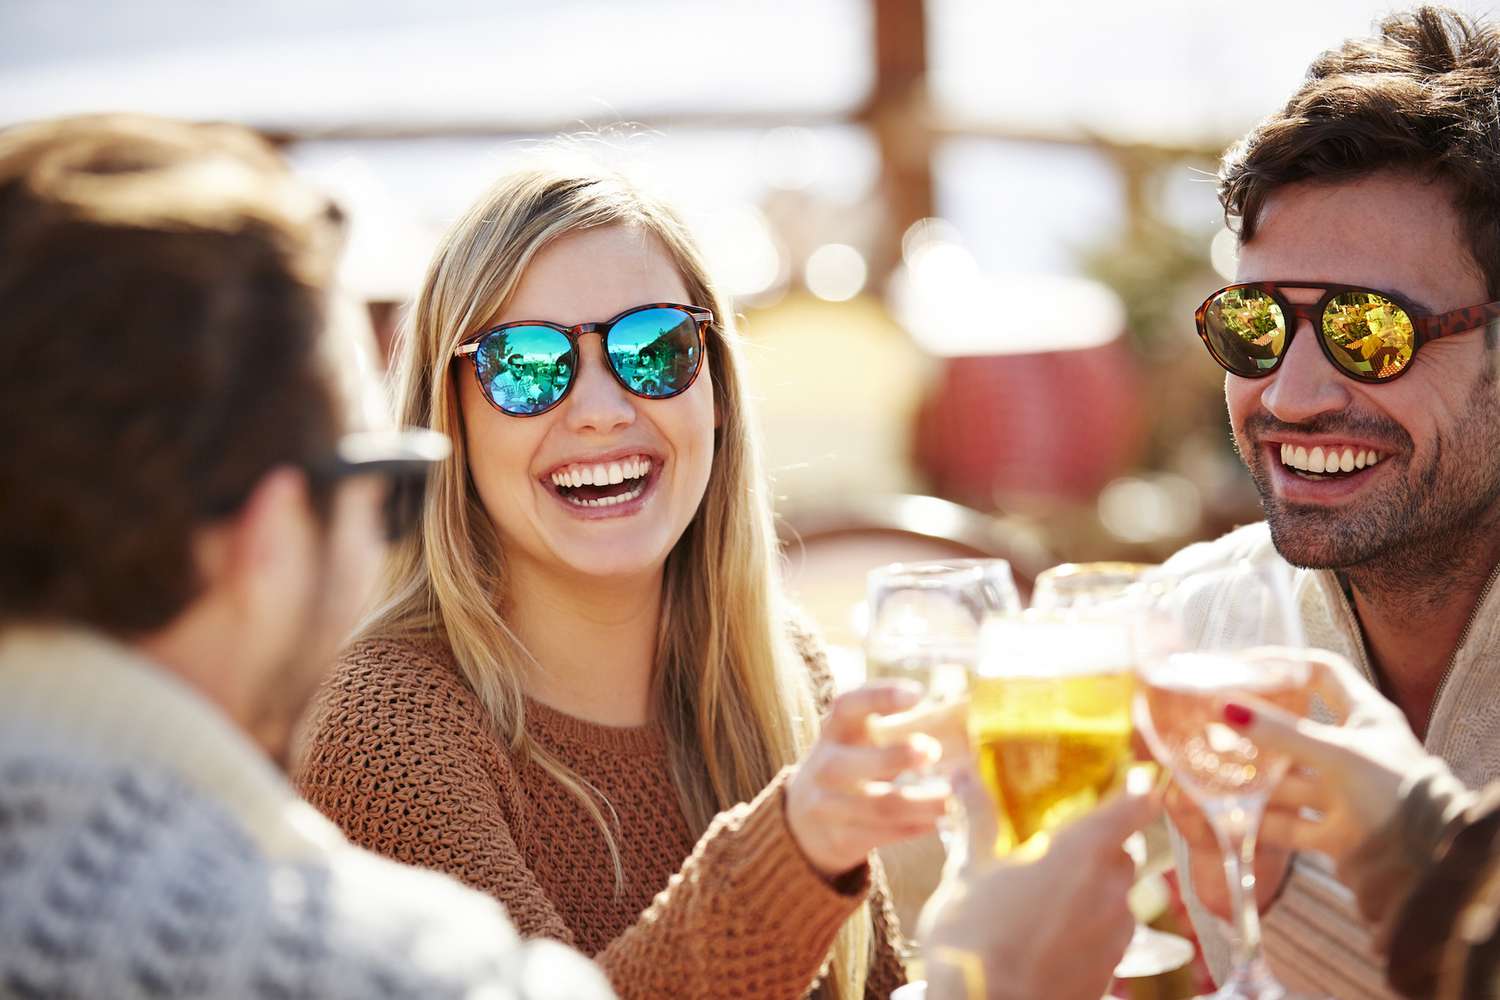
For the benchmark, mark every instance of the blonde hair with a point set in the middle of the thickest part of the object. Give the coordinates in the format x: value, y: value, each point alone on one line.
x: 735, y: 699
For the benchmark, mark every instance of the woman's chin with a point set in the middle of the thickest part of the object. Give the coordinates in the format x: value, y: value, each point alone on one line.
x: 613, y: 562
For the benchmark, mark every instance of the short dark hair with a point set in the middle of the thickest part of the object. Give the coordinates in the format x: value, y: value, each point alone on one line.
x: 1422, y: 95
x: 163, y: 294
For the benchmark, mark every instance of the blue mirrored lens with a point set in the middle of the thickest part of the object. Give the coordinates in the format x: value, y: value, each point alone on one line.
x: 655, y: 351
x: 525, y: 369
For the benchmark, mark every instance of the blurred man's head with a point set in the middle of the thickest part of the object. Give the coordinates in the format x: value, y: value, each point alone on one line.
x: 1383, y: 171
x: 170, y: 422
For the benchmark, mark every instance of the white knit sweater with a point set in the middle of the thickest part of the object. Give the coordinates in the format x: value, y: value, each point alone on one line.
x: 1314, y: 938
x: 149, y: 849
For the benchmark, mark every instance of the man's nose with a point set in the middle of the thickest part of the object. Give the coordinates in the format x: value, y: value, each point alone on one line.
x: 1305, y: 383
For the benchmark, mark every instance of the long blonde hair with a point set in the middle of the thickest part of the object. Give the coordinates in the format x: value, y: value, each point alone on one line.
x: 735, y: 699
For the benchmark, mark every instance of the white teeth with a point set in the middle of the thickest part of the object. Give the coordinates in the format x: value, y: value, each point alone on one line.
x: 602, y: 474
x: 1319, y: 461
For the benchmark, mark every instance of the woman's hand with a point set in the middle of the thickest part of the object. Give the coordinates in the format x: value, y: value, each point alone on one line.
x: 1347, y: 779
x: 841, y: 803
x: 1054, y: 927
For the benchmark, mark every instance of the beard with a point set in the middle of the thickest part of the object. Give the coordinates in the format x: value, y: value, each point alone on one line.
x: 1418, y: 527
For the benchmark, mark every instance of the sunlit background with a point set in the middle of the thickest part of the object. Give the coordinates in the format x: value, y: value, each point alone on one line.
x: 965, y: 237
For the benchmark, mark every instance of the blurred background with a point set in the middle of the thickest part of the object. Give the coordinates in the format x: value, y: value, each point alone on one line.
x: 965, y: 238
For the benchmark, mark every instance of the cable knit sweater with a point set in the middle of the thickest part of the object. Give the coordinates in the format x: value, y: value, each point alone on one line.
x: 149, y: 850
x: 400, y: 753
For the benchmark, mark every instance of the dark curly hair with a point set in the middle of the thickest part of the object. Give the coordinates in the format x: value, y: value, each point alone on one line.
x: 1422, y: 95
x: 163, y: 292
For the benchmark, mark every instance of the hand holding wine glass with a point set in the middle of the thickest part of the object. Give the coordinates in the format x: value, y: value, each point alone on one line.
x: 1350, y: 775
x: 842, y: 802
x: 1207, y: 638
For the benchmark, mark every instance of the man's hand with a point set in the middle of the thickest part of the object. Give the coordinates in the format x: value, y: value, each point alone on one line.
x: 1206, y: 858
x: 1054, y: 927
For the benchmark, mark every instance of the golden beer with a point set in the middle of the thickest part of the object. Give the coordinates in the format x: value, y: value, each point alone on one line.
x: 1049, y: 748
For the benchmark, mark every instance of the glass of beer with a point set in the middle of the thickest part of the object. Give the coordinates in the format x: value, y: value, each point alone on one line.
x: 1209, y: 638
x: 1108, y: 589
x: 1049, y: 717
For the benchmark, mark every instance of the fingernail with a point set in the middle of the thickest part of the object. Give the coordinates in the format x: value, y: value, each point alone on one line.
x: 1238, y: 715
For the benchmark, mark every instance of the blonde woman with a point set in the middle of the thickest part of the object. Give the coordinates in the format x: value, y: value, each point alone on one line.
x: 581, y: 693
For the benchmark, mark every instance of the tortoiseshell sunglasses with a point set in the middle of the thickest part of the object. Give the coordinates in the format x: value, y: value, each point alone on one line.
x: 654, y: 351
x: 1369, y: 335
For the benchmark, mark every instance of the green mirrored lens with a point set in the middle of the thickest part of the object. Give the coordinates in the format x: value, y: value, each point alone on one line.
x: 1368, y: 334
x: 655, y: 351
x: 524, y: 369
x: 1246, y: 329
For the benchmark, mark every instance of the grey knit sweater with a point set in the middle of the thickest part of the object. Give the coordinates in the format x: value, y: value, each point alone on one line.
x: 148, y: 849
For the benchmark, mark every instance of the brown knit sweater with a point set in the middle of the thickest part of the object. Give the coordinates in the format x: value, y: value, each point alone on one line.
x: 400, y: 753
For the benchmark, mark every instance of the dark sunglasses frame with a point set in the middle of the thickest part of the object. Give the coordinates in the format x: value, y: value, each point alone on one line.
x: 703, y: 319
x: 404, y: 459
x: 1426, y: 327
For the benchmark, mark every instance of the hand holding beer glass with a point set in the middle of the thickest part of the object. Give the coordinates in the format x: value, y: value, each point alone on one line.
x: 1104, y: 592
x: 1207, y: 639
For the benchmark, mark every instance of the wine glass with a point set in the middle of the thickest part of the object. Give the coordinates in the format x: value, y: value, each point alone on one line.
x: 924, y: 621
x: 1104, y: 590
x: 1204, y: 639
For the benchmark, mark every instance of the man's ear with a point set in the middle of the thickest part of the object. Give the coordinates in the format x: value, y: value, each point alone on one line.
x: 259, y: 555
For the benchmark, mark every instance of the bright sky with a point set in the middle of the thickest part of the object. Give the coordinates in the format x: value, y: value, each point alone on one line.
x: 1174, y: 70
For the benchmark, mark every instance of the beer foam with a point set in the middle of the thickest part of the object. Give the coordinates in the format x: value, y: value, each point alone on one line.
x: 1037, y: 644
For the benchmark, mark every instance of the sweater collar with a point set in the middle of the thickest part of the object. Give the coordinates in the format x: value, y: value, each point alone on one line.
x: 76, y: 690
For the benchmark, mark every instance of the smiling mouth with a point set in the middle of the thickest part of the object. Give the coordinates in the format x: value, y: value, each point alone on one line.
x: 605, y: 484
x: 1328, y: 463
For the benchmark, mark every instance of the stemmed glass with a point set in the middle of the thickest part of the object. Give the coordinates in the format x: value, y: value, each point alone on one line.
x: 924, y: 621
x: 1101, y: 591
x: 1204, y: 639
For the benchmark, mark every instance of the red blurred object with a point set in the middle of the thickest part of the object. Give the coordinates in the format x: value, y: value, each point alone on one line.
x: 1061, y: 423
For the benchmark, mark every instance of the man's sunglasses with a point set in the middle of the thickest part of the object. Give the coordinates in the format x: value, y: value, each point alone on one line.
x: 1369, y: 335
x: 404, y: 459
x: 654, y: 351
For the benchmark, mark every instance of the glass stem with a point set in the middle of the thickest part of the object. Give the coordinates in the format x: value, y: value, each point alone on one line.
x: 1236, y: 827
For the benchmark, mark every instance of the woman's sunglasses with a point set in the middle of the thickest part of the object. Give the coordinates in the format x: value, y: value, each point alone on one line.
x: 654, y: 351
x: 1369, y: 335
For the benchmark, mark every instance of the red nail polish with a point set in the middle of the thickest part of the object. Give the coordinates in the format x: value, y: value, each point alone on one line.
x: 1238, y: 715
